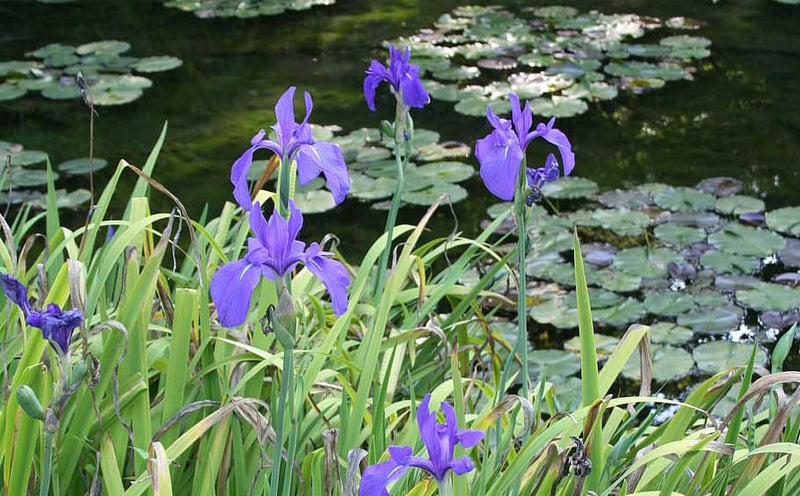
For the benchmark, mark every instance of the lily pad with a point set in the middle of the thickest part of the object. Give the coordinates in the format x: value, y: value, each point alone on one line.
x: 785, y: 220
x: 669, y: 333
x: 604, y: 345
x: 720, y: 186
x: 11, y: 92
x: 737, y: 205
x: 476, y: 106
x: 684, y: 199
x: 62, y: 91
x: 712, y: 320
x: 743, y: 240
x: 22, y: 158
x: 314, y: 201
x: 668, y: 303
x: 669, y: 363
x: 426, y: 197
x: 557, y: 106
x: 675, y: 234
x: 718, y: 356
x: 614, y: 280
x: 790, y: 254
x: 767, y: 296
x: 628, y: 311
x: 81, y: 165
x: 646, y: 263
x: 553, y: 363
x: 108, y: 47
x: 721, y: 262
x: 157, y: 64
x: 569, y: 188
x: 367, y: 188
x: 116, y: 97
x: 27, y: 178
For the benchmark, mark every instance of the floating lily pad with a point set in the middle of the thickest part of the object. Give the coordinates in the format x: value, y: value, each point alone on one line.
x: 668, y: 303
x: 668, y: 363
x: 22, y: 158
x: 722, y: 262
x: 718, y: 356
x: 737, y: 205
x: 684, y: 199
x: 669, y: 333
x: 27, y: 178
x: 622, y: 221
x: 314, y: 201
x: 11, y: 91
x: 626, y: 312
x: 720, y: 186
x: 442, y: 151
x: 643, y: 262
x: 157, y: 64
x: 785, y: 220
x: 558, y: 106
x: 457, y: 73
x: 767, y: 296
x: 619, y: 198
x: 614, y: 280
x: 712, y: 320
x: 743, y: 240
x: 367, y: 188
x: 675, y: 234
x: 553, y: 363
x: 476, y: 106
x: 116, y: 97
x: 454, y: 193
x: 108, y: 47
x: 81, y: 165
x: 569, y: 188
x: 555, y: 313
x: 604, y: 344
x: 62, y: 92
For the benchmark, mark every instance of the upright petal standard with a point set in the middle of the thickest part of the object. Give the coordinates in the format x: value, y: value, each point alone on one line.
x: 293, y: 141
x: 440, y: 441
x: 57, y: 325
x: 501, y: 152
x: 401, y: 74
x: 273, y: 253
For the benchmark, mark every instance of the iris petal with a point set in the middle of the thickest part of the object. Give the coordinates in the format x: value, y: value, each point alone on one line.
x: 414, y: 93
x: 16, y: 292
x: 332, y: 274
x: 231, y: 290
x: 376, y: 477
x: 325, y: 158
x: 499, y: 164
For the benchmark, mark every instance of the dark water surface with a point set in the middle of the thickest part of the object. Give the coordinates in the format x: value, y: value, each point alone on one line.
x: 740, y: 117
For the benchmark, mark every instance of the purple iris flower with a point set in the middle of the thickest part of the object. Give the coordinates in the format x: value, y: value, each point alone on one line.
x: 440, y: 440
x: 501, y: 152
x: 57, y: 325
x: 403, y: 76
x: 294, y: 141
x: 273, y: 253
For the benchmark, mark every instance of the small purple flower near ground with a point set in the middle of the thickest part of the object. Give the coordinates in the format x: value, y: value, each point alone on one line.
x: 402, y: 75
x: 57, y: 325
x: 273, y: 253
x: 501, y: 152
x: 440, y: 441
x: 294, y: 141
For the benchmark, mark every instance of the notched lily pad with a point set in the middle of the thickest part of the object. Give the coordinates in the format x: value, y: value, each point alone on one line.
x: 718, y: 356
x: 569, y: 188
x: 737, y: 205
x: 81, y: 165
x: 785, y: 220
x: 743, y: 240
x: 668, y: 363
x: 643, y: 262
x: 684, y: 199
x: 712, y: 320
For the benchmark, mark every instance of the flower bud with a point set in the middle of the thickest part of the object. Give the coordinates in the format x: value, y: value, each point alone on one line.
x: 30, y: 402
x: 285, y: 319
x: 78, y: 373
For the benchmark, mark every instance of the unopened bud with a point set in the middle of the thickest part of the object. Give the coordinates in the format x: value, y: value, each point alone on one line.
x: 78, y: 373
x: 30, y: 402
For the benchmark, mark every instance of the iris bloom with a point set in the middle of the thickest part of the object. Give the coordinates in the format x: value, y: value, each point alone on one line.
x: 440, y: 440
x: 294, y: 141
x: 273, y: 253
x: 403, y: 76
x: 501, y: 152
x: 57, y: 325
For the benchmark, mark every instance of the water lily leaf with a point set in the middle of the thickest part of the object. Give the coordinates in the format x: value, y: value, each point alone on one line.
x: 498, y: 63
x: 430, y: 64
x: 696, y: 219
x: 532, y: 85
x: 569, y: 188
x: 439, y: 91
x: 684, y: 199
x: 712, y: 320
x: 623, y: 221
x: 743, y: 240
x: 767, y: 296
x: 457, y: 73
x: 553, y: 363
x: 108, y: 47
x: 61, y: 60
x: 557, y: 106
x: 81, y: 165
x: 11, y: 91
x: 675, y: 234
x: 790, y: 255
x: 556, y: 313
x: 614, y: 280
x: 785, y: 220
x: 646, y: 263
x: 604, y: 345
x: 17, y: 66
x: 663, y: 71
x: 442, y: 151
x: 668, y: 303
x: 71, y: 200
x: 426, y: 197
x: 498, y: 209
x: 628, y: 311
x: 367, y: 188
x: 647, y: 51
x: 718, y: 356
x: 62, y: 91
x: 314, y: 201
x: 157, y: 64
x: 669, y: 333
x: 476, y: 106
x: 720, y: 186
x: 685, y: 41
x: 27, y: 178
x: 669, y: 363
x: 555, y: 11
x: 594, y: 92
x: 116, y: 97
x: 52, y: 50
x: 722, y: 262
x: 22, y: 158
x: 536, y: 59
x: 372, y: 154
x: 737, y: 205
x: 621, y: 198
x: 450, y: 172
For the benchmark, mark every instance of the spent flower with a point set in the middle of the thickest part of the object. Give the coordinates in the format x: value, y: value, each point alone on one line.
x: 401, y: 74
x: 501, y: 152
x: 273, y: 253
x: 440, y: 441
x: 56, y: 324
x: 293, y: 142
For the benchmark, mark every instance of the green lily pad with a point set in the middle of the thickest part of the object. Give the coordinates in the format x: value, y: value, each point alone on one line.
x: 628, y: 311
x: 81, y: 165
x: 552, y: 363
x: 785, y: 220
x: 116, y: 97
x: 62, y: 91
x: 679, y: 235
x: 556, y: 313
x: 668, y: 363
x: 450, y: 172
x: 28, y: 178
x: 498, y: 209
x: 718, y: 356
x: 124, y: 82
x: 645, y: 263
x: 767, y: 296
x: 457, y: 73
x: 53, y: 49
x: 569, y: 188
x: 157, y: 64
x: 107, y: 47
x: 668, y: 303
x: 721, y: 262
x: 442, y: 151
x: 620, y: 198
x: 373, y: 154
x: 684, y: 199
x: 367, y: 188
x: 476, y: 106
x: 558, y: 106
x: 11, y: 91
x: 439, y: 91
x: 622, y: 221
x: 669, y: 333
x: 426, y: 197
x: 743, y: 240
x: 314, y: 201
x: 22, y: 158
x: 664, y: 71
x: 555, y: 11
x: 604, y: 345
x: 712, y: 320
x: 614, y: 280
x: 738, y: 204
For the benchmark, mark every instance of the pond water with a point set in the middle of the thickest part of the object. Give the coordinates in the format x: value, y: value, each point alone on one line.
x: 739, y: 117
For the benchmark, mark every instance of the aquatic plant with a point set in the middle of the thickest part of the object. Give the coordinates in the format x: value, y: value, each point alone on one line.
x: 247, y: 9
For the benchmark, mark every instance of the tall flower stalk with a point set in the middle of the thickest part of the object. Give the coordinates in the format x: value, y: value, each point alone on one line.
x: 503, y: 168
x: 274, y: 252
x: 409, y: 93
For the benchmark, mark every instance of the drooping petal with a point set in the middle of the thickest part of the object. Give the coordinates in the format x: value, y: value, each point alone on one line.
x: 468, y: 438
x: 499, y: 164
x: 57, y: 326
x: 376, y: 477
x: 496, y: 122
x: 241, y: 168
x: 462, y: 465
x: 284, y: 112
x: 375, y: 74
x: 231, y: 290
x: 325, y: 158
x: 558, y: 138
x: 332, y: 274
x: 16, y: 292
x: 414, y: 93
x: 402, y: 456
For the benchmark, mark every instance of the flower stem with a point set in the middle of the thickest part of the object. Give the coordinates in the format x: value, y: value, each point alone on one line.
x: 284, y: 174
x: 282, y: 413
x: 520, y: 211
x: 399, y: 142
x: 47, y: 463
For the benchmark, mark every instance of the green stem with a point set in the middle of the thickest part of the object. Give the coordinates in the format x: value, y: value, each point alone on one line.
x: 284, y: 176
x: 286, y: 388
x: 391, y: 220
x: 47, y: 463
x: 521, y: 210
